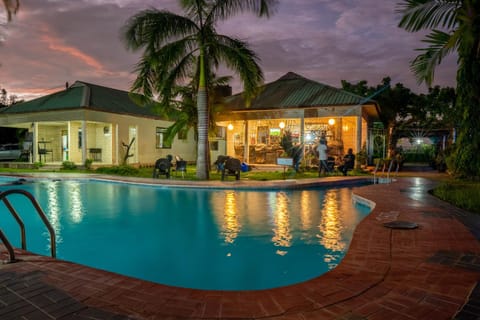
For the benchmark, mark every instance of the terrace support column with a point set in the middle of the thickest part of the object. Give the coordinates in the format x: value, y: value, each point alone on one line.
x: 69, y: 140
x: 246, y: 148
x: 35, y: 143
x: 358, y: 145
x: 302, y: 135
x: 84, y: 142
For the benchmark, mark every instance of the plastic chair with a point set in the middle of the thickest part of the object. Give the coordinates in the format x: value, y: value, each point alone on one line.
x: 162, y: 166
x: 181, y: 165
x: 232, y: 167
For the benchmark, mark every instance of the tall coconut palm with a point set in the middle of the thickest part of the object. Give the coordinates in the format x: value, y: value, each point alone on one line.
x: 175, y: 45
x: 455, y: 27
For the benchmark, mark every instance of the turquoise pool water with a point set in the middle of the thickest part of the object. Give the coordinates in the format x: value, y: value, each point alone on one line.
x: 195, y: 238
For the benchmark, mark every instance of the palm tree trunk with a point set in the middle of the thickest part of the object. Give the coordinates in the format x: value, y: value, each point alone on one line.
x: 202, y: 109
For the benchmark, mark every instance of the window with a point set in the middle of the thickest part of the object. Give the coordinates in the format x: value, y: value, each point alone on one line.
x: 160, y: 139
x: 79, y: 138
x: 220, y: 132
x: 182, y: 135
x: 214, y: 145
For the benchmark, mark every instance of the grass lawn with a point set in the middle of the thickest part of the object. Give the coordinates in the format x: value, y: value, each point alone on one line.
x: 254, y: 174
x: 462, y: 194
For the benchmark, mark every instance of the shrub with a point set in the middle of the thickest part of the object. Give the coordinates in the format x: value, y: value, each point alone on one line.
x: 123, y: 170
x: 68, y: 165
x: 88, y: 164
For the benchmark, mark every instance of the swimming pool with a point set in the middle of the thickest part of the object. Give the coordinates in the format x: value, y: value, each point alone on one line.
x: 190, y: 237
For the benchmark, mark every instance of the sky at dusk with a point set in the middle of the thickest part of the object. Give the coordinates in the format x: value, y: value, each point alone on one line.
x: 51, y: 42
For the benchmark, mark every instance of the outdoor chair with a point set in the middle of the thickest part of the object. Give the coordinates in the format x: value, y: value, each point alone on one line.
x: 162, y: 167
x: 180, y: 166
x: 232, y: 167
x: 220, y: 163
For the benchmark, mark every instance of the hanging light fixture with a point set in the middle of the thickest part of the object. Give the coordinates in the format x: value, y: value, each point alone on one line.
x: 281, y: 124
x: 331, y: 121
x: 106, y: 130
x: 230, y: 126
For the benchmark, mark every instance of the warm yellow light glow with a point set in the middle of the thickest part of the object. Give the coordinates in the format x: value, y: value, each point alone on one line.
x: 331, y: 225
x: 283, y: 236
x: 231, y: 225
x: 306, y: 210
x: 282, y: 125
x: 345, y: 127
x: 331, y: 121
x: 230, y: 126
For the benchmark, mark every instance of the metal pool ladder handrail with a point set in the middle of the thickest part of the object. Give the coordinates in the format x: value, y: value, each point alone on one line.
x: 384, y: 167
x: 3, y: 197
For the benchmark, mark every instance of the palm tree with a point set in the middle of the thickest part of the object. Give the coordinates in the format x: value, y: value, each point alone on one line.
x: 455, y: 27
x: 175, y: 46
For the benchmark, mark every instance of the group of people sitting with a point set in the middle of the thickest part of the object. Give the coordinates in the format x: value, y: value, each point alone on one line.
x: 323, y: 167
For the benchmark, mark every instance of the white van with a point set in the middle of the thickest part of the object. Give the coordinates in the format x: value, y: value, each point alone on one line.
x: 10, y: 151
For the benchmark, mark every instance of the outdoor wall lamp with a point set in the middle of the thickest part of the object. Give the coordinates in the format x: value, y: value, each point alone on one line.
x: 106, y: 131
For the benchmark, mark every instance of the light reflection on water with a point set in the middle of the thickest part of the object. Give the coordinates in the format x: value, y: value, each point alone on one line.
x: 207, y: 239
x: 281, y: 224
x: 231, y: 225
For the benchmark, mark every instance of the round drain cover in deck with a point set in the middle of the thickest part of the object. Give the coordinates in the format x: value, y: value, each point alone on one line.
x: 401, y: 225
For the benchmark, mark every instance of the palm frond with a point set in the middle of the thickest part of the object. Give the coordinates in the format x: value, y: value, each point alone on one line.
x: 179, y: 125
x: 175, y: 74
x: 224, y: 9
x: 145, y: 81
x: 237, y: 55
x: 428, y: 14
x: 154, y: 28
x: 423, y: 66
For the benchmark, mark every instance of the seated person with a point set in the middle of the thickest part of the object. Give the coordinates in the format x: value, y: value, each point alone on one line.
x: 348, y: 162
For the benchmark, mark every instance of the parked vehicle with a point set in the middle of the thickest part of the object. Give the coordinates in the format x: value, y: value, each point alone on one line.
x: 10, y: 151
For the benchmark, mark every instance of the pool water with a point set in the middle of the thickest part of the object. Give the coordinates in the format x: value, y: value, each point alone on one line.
x: 189, y: 237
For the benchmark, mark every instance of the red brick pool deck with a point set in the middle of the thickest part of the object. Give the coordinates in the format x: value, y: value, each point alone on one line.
x: 430, y: 272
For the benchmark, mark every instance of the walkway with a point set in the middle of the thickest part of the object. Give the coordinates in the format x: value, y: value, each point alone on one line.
x: 430, y: 272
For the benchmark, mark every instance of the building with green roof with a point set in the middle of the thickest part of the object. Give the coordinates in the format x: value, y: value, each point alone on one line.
x: 308, y: 110
x: 88, y: 121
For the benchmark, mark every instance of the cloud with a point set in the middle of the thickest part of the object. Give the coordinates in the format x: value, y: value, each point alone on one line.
x: 54, y: 41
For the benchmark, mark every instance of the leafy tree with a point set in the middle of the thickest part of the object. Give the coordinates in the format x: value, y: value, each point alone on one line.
x: 176, y: 46
x: 436, y: 109
x: 454, y: 27
x: 394, y: 103
x: 6, y: 99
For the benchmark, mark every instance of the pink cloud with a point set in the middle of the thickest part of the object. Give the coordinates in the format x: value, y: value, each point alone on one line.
x: 56, y: 45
